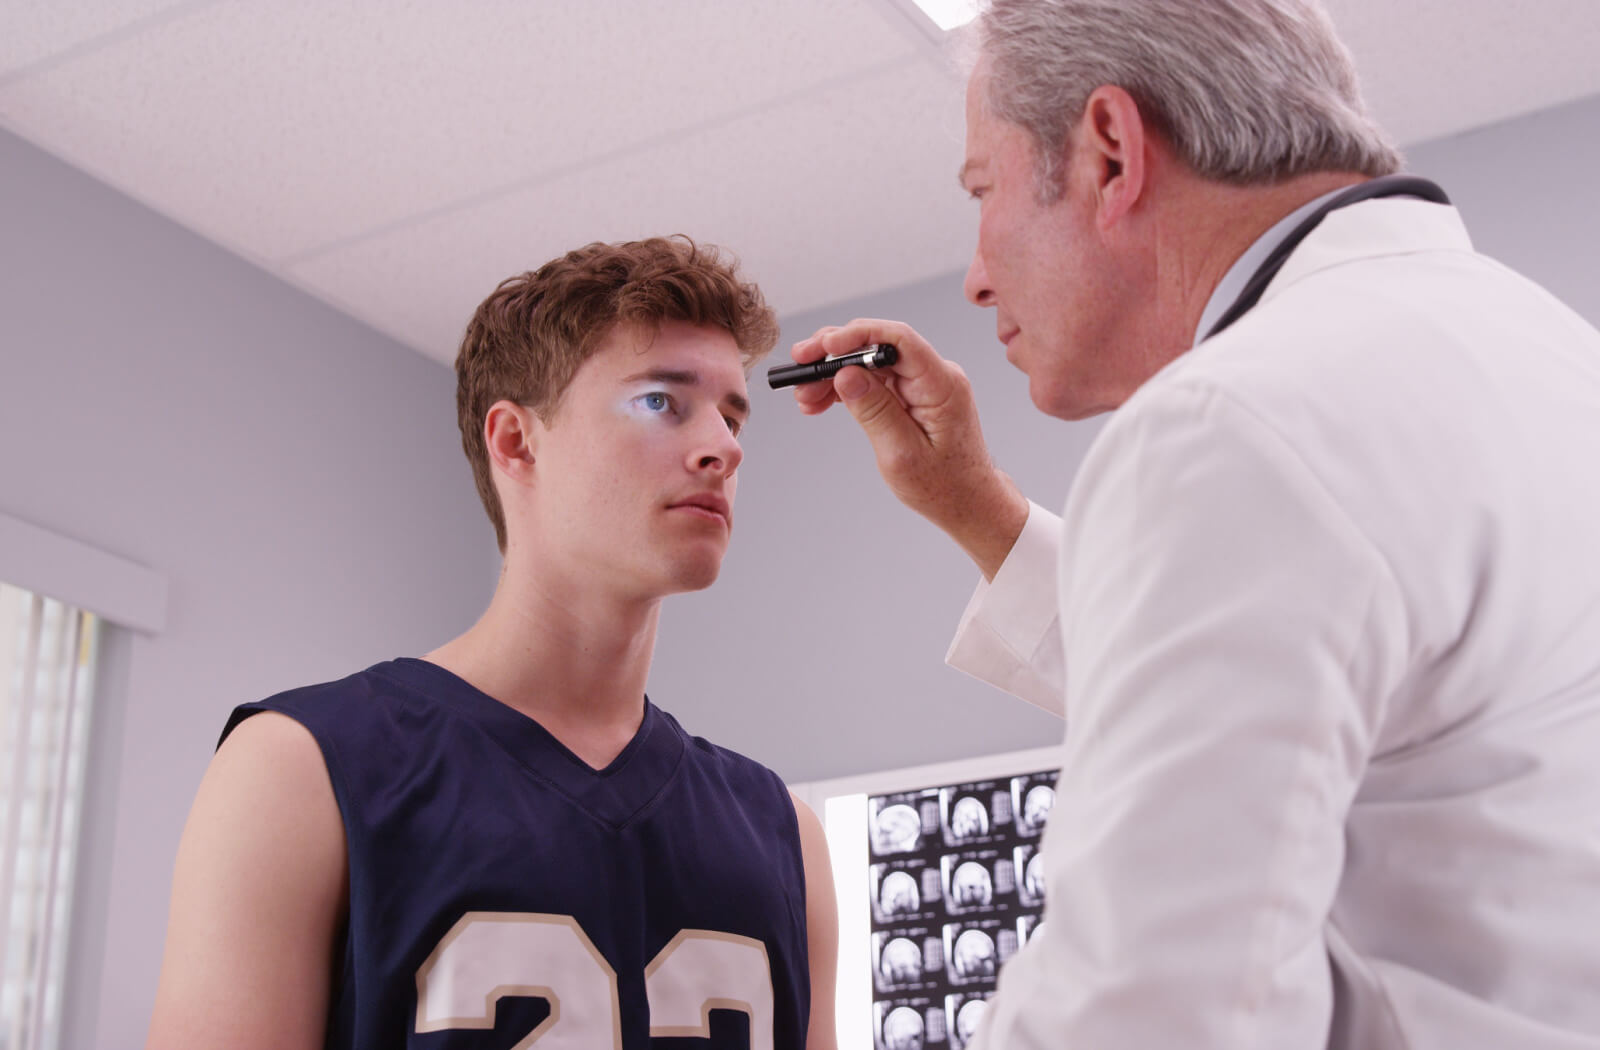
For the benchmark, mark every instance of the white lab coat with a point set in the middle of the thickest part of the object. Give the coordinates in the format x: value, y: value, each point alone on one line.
x: 1327, y: 626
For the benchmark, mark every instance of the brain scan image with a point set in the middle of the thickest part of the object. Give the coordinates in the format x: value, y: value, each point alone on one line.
x: 896, y: 829
x: 1036, y: 805
x: 902, y: 1029
x: 967, y: 1019
x: 1033, y: 878
x: 898, y: 894
x: 971, y: 885
x: 973, y: 955
x: 902, y: 961
x: 968, y: 818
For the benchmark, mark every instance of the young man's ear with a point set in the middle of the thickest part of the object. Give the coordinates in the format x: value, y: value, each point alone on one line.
x: 511, y: 432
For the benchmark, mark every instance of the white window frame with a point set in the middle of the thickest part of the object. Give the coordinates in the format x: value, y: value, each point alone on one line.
x: 113, y: 588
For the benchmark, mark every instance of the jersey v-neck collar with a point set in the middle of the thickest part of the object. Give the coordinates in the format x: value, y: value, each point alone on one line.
x: 614, y: 794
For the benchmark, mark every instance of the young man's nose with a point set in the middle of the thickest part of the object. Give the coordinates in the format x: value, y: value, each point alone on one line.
x: 718, y: 447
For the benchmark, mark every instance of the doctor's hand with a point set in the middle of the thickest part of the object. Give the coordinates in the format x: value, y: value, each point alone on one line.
x: 922, y: 421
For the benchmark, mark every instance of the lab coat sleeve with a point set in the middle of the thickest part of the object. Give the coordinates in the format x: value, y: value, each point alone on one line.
x: 1230, y: 636
x: 1009, y: 634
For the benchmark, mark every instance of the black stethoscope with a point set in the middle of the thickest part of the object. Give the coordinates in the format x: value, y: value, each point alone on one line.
x: 1384, y: 186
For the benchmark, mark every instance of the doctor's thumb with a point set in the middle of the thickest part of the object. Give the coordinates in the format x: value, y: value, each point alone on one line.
x: 876, y: 408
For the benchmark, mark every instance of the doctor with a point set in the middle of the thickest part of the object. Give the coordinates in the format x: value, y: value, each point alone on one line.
x: 1323, y: 611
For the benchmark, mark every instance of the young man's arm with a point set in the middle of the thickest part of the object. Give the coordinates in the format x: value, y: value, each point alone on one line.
x: 822, y: 929
x: 258, y: 893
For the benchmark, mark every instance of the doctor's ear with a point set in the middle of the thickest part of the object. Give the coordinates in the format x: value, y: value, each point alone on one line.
x: 511, y: 432
x: 1115, y: 134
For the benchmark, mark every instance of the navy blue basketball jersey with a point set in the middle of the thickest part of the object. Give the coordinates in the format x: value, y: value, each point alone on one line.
x: 503, y: 893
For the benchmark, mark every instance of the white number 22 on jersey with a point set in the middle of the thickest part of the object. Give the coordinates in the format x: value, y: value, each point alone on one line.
x: 489, y: 955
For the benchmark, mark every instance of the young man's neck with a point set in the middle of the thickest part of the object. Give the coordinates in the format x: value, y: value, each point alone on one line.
x: 575, y: 661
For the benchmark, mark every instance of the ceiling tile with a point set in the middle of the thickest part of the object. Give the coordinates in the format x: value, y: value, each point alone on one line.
x: 850, y: 199
x: 399, y: 157
x: 1431, y: 68
x: 284, y: 125
x: 37, y: 32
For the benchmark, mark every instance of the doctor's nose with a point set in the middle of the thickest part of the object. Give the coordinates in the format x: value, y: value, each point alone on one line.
x: 976, y: 287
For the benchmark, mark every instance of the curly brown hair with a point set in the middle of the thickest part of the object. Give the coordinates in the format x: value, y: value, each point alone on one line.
x: 529, y: 338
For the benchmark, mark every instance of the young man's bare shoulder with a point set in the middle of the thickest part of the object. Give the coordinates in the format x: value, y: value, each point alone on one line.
x: 271, y: 767
x: 270, y: 734
x: 258, y: 892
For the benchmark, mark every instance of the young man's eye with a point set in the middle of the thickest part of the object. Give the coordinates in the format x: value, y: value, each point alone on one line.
x: 655, y: 401
x: 734, y: 426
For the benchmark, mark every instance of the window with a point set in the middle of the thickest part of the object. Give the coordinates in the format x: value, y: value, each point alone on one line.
x: 47, y: 655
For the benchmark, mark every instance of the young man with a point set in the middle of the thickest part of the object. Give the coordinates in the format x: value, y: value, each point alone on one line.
x: 504, y: 842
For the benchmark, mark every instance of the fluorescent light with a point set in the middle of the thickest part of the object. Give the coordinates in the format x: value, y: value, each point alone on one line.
x: 947, y: 14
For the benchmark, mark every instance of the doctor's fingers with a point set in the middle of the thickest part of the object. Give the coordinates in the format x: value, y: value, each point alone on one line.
x: 919, y: 377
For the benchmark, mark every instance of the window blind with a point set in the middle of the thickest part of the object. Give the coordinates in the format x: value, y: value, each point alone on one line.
x: 47, y: 656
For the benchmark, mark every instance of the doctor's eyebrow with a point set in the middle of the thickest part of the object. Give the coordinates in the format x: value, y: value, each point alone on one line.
x: 672, y: 376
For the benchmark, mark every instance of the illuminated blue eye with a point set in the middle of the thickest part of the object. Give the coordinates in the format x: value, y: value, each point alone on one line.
x: 656, y: 401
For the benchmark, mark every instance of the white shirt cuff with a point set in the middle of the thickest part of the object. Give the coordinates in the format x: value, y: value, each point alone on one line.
x: 1009, y: 633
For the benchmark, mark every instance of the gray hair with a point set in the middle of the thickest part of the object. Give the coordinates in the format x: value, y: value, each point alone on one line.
x: 1246, y: 91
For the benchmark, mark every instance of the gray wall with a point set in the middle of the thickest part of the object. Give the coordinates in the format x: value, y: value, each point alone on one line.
x: 1530, y: 192
x: 297, y: 478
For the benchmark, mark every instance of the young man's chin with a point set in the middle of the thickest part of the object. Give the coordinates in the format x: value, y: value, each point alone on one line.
x: 703, y: 578
x: 695, y: 573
